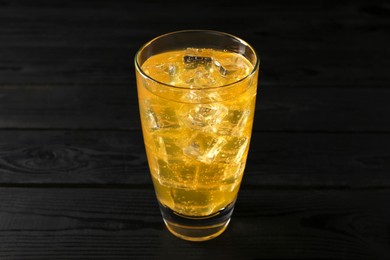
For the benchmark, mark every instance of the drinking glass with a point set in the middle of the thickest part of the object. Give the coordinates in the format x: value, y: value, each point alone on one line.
x: 196, y: 94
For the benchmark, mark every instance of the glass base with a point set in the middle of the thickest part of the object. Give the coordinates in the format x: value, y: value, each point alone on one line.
x: 196, y: 228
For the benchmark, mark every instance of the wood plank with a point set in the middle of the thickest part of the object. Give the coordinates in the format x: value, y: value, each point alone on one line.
x: 105, y: 21
x: 82, y: 65
x: 118, y: 158
x: 116, y: 107
x: 342, y: 44
x: 125, y: 223
x: 73, y: 157
x: 71, y: 107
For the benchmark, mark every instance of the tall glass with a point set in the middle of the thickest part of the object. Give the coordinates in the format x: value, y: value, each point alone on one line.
x: 196, y: 93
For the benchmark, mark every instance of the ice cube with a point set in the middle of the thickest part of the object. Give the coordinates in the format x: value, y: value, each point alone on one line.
x: 198, y: 77
x: 191, y: 96
x: 173, y: 72
x: 160, y: 116
x: 204, y: 147
x: 174, y: 173
x: 211, y: 175
x: 186, y: 173
x: 220, y: 68
x: 239, y: 121
x: 232, y: 177
x: 199, y: 96
x: 192, y: 62
x: 203, y: 115
x: 197, y: 68
x: 172, y: 69
x: 234, y: 123
x: 151, y: 118
x: 233, y: 172
x: 231, y: 65
x: 195, y: 57
x: 192, y: 201
x: 160, y: 148
x: 161, y: 171
x: 164, y: 72
x: 233, y: 150
x: 165, y: 147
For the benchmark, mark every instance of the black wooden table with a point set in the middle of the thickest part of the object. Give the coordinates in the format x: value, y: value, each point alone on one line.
x: 74, y: 181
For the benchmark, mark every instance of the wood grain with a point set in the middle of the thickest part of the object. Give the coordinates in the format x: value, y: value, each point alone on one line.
x: 300, y: 44
x: 74, y: 180
x: 110, y: 107
x: 118, y: 157
x: 125, y: 223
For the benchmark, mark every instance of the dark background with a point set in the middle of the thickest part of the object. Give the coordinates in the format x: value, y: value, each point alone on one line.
x: 74, y: 182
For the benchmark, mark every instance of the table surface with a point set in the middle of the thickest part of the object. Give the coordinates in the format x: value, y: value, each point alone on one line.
x: 74, y: 180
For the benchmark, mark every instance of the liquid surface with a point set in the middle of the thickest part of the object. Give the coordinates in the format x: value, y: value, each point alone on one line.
x: 197, y: 68
x: 197, y: 151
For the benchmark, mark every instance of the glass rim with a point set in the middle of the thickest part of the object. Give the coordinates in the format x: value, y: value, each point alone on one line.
x: 138, y: 66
